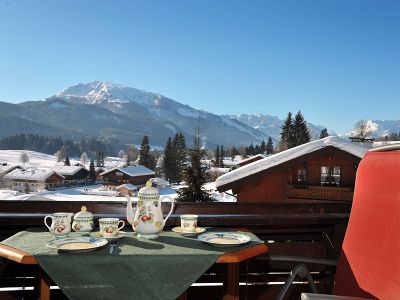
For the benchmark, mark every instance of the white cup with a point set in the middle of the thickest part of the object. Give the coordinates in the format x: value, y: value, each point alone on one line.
x: 189, y: 222
x: 109, y: 226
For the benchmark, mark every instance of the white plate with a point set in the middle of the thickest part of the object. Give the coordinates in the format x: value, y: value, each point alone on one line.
x: 77, y: 244
x: 225, y: 239
x: 120, y: 235
x: 188, y: 233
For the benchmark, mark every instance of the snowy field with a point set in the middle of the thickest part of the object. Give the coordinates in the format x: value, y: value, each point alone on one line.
x: 36, y: 159
x: 73, y: 194
x: 42, y: 160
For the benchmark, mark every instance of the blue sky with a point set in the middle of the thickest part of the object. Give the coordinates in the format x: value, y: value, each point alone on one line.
x: 336, y: 61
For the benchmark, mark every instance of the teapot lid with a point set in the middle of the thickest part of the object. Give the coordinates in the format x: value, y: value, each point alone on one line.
x: 83, y: 213
x: 148, y: 190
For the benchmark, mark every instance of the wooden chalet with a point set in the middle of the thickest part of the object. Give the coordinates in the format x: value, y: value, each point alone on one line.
x: 5, y: 169
x: 126, y: 189
x: 319, y: 170
x: 33, y: 180
x: 73, y: 175
x: 136, y: 175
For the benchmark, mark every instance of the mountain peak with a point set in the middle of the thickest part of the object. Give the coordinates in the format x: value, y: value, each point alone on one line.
x: 100, y: 92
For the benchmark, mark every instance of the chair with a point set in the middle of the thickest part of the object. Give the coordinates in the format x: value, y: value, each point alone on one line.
x: 369, y: 263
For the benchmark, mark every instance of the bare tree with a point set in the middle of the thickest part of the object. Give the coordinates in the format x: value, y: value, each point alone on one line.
x: 61, y: 154
x: 362, y: 129
x: 132, y: 155
x: 23, y: 157
x: 121, y: 154
x: 84, y: 159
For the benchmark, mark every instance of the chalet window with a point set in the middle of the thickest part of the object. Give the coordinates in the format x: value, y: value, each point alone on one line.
x: 119, y: 174
x: 301, y: 176
x: 330, y: 176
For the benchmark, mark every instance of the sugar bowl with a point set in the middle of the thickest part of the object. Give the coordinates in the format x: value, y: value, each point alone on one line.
x: 83, y: 221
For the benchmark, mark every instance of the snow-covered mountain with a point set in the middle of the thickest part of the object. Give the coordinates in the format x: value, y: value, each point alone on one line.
x: 271, y: 125
x: 122, y: 113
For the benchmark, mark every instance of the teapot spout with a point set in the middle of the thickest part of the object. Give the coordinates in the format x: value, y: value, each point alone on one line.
x: 129, y: 210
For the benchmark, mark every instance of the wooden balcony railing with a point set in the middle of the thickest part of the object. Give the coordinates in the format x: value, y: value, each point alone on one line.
x: 319, y: 192
x: 299, y: 227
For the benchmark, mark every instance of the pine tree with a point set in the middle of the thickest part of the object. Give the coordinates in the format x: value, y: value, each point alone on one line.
x: 263, y: 147
x: 216, y: 164
x: 324, y: 133
x: 180, y: 150
x: 221, y: 157
x: 195, y: 175
x: 169, y: 162
x: 146, y: 158
x: 269, y: 148
x: 250, y: 150
x: 92, y: 172
x: 287, y: 133
x: 67, y: 163
x: 301, y: 135
x: 98, y: 158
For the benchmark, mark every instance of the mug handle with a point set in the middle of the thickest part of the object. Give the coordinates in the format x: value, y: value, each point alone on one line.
x: 123, y: 224
x: 172, y: 208
x: 45, y: 221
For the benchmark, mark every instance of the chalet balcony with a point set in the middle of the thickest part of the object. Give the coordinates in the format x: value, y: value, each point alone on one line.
x: 319, y: 192
x: 313, y: 229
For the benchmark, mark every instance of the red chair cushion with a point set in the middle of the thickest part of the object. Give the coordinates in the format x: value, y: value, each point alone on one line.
x: 369, y: 265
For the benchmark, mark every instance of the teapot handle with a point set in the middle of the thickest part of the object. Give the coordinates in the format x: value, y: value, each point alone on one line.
x: 172, y: 207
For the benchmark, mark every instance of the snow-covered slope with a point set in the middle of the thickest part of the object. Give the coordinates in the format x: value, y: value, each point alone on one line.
x: 126, y: 114
x: 36, y: 159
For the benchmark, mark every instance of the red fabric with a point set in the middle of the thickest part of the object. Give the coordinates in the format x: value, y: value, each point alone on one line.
x: 369, y: 265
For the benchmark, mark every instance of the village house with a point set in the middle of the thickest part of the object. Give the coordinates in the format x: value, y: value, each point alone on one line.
x: 126, y: 189
x: 73, y: 175
x: 5, y: 169
x: 136, y: 175
x: 159, y: 182
x: 323, y: 169
x: 99, y: 171
x: 33, y: 180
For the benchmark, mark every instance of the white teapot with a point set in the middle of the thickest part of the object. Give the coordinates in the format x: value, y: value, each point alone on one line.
x: 147, y: 220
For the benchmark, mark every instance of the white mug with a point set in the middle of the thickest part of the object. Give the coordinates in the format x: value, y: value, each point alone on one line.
x: 189, y: 222
x: 109, y: 227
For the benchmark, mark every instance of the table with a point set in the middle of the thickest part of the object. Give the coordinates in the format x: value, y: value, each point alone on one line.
x: 231, y: 259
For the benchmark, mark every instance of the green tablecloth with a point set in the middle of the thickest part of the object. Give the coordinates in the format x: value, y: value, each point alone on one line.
x: 137, y: 269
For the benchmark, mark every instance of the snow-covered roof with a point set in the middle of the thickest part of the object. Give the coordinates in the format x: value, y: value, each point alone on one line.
x: 218, y: 170
x: 132, y: 170
x: 67, y: 170
x: 6, y: 169
x: 287, y: 155
x: 129, y: 186
x: 30, y: 174
x: 159, y: 181
x: 251, y: 158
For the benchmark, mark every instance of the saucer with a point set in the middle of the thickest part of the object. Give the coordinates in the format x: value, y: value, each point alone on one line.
x: 188, y: 233
x: 120, y: 235
x: 224, y: 239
